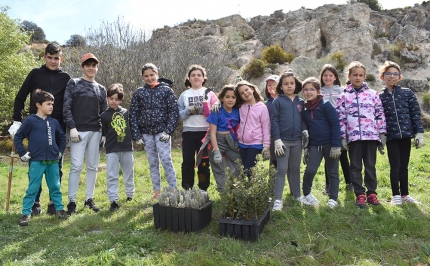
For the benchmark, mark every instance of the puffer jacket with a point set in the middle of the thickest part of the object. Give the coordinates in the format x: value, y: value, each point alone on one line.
x: 402, y: 113
x: 361, y: 114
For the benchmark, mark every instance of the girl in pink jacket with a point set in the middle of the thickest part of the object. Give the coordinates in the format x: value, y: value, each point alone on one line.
x: 254, y: 128
x: 362, y: 132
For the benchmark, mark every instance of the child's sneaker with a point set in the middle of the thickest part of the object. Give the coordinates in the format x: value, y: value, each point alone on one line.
x: 332, y: 203
x: 62, y: 214
x: 51, y: 209
x: 90, y: 204
x: 396, y: 200
x: 409, y: 199
x: 23, y: 220
x: 71, y: 208
x: 372, y: 199
x: 310, y: 200
x: 360, y: 200
x: 36, y: 209
x: 114, y: 206
x: 277, y: 205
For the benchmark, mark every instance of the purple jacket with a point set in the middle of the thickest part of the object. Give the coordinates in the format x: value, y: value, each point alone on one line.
x: 254, y: 125
x: 361, y: 114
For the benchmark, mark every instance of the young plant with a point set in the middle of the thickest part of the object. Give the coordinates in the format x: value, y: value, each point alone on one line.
x: 192, y: 198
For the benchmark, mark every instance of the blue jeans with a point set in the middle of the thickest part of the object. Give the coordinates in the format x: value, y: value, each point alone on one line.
x: 35, y: 175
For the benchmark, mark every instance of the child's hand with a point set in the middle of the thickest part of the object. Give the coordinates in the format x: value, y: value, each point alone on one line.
x: 344, y: 144
x: 381, y: 149
x: 74, y: 135
x: 305, y: 138
x: 419, y: 140
x: 26, y: 157
x: 335, y: 153
x: 14, y: 128
x: 266, y: 153
x: 216, y: 107
x: 140, y: 142
x: 60, y: 155
x: 279, y: 148
x: 305, y: 156
x: 164, y: 137
x: 217, y: 157
x: 103, y: 141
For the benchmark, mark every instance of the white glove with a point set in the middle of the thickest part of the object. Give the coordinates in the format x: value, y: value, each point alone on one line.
x: 74, y: 135
x: 164, y: 137
x: 335, y: 153
x: 26, y: 157
x: 266, y: 153
x: 103, y: 141
x: 279, y: 148
x: 140, y: 142
x: 383, y: 138
x: 418, y: 140
x: 381, y: 149
x: 192, y: 109
x: 305, y: 156
x: 59, y: 155
x: 305, y: 138
x: 14, y: 128
x: 344, y: 144
x: 216, y: 107
x: 217, y: 157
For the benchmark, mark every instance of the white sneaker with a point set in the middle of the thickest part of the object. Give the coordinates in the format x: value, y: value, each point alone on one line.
x: 277, y: 205
x: 332, y: 203
x: 409, y: 199
x: 310, y: 200
x: 396, y: 200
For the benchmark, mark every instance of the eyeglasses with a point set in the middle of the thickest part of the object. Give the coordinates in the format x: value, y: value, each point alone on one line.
x: 392, y: 74
x: 310, y: 90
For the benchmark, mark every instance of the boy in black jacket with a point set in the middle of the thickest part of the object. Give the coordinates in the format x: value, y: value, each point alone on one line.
x: 116, y: 137
x: 49, y: 78
x: 46, y: 144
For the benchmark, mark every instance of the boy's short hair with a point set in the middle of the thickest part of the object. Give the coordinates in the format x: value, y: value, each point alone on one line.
x: 88, y: 59
x: 41, y: 96
x: 53, y: 48
x: 116, y: 88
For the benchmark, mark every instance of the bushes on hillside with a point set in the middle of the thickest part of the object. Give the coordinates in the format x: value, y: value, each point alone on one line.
x: 275, y: 54
x: 254, y: 69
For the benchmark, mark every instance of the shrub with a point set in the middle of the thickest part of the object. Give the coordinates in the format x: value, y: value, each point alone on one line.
x: 338, y: 61
x: 254, y: 69
x: 370, y: 78
x: 275, y: 54
x: 426, y: 101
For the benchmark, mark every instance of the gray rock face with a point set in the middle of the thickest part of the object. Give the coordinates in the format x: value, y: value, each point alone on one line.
x: 400, y: 35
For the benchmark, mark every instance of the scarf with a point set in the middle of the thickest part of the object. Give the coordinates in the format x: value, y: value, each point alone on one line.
x: 311, y: 105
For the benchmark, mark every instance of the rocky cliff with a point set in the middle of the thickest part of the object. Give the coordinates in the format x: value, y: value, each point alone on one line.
x: 400, y: 35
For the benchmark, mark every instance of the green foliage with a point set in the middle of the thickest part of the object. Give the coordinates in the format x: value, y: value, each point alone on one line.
x: 426, y: 100
x: 36, y: 32
x: 276, y: 54
x: 370, y: 77
x: 373, y: 4
x: 337, y: 59
x: 14, y: 66
x: 247, y: 198
x: 76, y: 40
x: 254, y: 69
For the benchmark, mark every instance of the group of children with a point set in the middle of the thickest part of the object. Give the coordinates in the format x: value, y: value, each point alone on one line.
x: 223, y: 131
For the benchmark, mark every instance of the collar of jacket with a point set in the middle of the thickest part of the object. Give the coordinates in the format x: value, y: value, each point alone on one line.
x: 47, y: 69
x: 351, y: 88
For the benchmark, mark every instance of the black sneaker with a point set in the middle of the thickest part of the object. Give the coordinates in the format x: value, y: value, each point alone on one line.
x: 36, y: 209
x: 23, y: 220
x: 114, y: 206
x: 71, y: 208
x: 62, y: 214
x: 90, y: 204
x: 129, y: 198
x: 51, y: 209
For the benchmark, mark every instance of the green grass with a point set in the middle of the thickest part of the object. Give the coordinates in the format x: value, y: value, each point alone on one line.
x: 296, y: 236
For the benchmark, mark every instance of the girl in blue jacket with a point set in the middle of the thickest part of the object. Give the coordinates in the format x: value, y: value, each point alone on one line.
x: 403, y: 119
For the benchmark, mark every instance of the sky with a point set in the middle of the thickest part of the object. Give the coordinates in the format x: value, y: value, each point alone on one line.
x: 60, y: 19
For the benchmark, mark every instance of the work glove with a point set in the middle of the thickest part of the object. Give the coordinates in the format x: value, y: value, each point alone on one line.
x: 192, y: 109
x: 14, y: 128
x: 305, y: 156
x: 279, y: 148
x: 335, y: 153
x: 140, y: 142
x: 419, y: 140
x: 217, y: 157
x: 60, y: 155
x: 381, y: 149
x: 164, y: 137
x: 305, y: 138
x: 26, y: 157
x: 266, y: 153
x: 103, y: 141
x: 74, y: 135
x: 383, y: 138
x: 216, y: 107
x: 344, y: 144
x: 199, y: 110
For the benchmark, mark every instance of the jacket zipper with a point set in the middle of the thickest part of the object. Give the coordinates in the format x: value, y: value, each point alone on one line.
x: 246, y: 121
x: 397, y: 117
x: 359, y: 119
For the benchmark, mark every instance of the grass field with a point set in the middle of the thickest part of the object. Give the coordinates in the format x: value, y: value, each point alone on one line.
x: 347, y: 235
